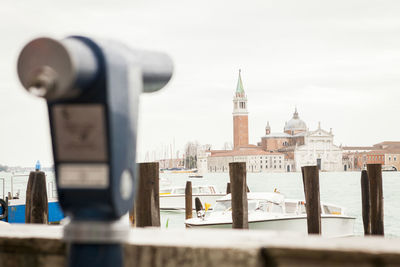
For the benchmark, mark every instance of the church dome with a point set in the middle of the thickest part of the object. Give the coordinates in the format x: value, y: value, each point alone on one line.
x: 295, y: 124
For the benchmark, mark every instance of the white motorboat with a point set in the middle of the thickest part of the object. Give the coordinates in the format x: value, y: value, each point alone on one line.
x: 174, y: 198
x: 271, y: 211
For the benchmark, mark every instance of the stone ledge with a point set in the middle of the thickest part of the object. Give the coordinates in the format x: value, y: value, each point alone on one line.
x: 38, y: 245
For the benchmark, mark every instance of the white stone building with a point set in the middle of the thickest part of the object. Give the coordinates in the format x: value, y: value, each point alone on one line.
x: 203, y: 153
x: 318, y: 149
x: 256, y: 160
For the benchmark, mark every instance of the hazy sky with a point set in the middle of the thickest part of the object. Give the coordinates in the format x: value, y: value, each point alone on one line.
x: 337, y: 61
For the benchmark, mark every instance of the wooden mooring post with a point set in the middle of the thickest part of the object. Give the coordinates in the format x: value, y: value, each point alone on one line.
x: 313, y: 204
x: 228, y: 188
x: 365, y: 202
x: 376, y: 198
x: 36, y: 202
x: 188, y: 200
x: 237, y: 173
x: 147, y: 205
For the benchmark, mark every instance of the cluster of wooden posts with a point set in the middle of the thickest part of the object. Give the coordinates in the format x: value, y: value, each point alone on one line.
x: 371, y: 196
x: 146, y: 210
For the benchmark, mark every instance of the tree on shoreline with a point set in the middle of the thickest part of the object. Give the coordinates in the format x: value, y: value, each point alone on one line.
x: 3, y: 168
x: 191, y: 155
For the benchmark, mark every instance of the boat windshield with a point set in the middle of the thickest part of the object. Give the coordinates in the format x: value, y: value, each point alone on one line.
x: 195, y: 190
x: 222, y: 205
x: 227, y: 204
x: 179, y: 191
x: 165, y: 191
x: 268, y: 206
x: 291, y: 207
x: 332, y: 210
x: 204, y: 190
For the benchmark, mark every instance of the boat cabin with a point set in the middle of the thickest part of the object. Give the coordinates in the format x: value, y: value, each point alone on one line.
x: 196, y: 190
x: 275, y: 203
x: 298, y: 207
x: 265, y: 202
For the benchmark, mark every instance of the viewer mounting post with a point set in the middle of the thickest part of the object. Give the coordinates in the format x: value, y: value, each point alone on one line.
x: 92, y: 91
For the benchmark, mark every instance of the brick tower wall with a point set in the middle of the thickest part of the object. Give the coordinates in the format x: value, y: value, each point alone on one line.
x: 240, y: 131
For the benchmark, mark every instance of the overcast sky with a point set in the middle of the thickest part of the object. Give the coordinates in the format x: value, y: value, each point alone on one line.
x: 337, y: 61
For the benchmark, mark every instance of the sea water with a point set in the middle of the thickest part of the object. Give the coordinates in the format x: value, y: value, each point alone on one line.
x: 340, y: 188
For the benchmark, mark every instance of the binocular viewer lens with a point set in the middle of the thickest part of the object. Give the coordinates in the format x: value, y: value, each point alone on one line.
x: 57, y: 70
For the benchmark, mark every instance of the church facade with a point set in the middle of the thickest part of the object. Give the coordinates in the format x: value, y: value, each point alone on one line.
x: 319, y: 149
x: 303, y: 147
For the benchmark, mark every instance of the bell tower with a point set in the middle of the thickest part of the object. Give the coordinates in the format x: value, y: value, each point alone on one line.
x: 267, y: 129
x: 240, y: 116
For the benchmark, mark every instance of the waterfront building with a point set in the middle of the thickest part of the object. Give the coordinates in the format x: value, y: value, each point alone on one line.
x: 287, y: 151
x: 203, y: 153
x: 303, y: 147
x: 392, y: 160
x: 293, y: 134
x: 170, y: 163
x: 386, y: 153
x: 354, y: 157
x: 257, y: 159
x: 319, y: 149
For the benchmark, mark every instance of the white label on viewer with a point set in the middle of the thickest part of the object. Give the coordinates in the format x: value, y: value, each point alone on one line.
x: 80, y: 132
x: 94, y: 176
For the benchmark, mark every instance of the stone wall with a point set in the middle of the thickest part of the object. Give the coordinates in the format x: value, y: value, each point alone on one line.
x: 33, y: 246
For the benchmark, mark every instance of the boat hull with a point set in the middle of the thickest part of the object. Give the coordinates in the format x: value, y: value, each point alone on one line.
x: 177, y: 201
x: 16, y: 211
x: 331, y: 226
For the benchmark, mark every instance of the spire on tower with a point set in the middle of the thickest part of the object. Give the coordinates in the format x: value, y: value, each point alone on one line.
x: 239, y: 87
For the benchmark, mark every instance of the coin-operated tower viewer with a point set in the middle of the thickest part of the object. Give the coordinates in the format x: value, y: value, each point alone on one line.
x: 92, y: 90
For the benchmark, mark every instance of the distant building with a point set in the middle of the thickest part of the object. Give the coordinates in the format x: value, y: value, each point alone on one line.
x: 276, y: 152
x: 285, y: 142
x: 170, y: 163
x: 318, y: 149
x: 240, y: 116
x: 293, y: 148
x: 386, y: 153
x: 303, y: 147
x: 202, y: 158
x: 256, y: 158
